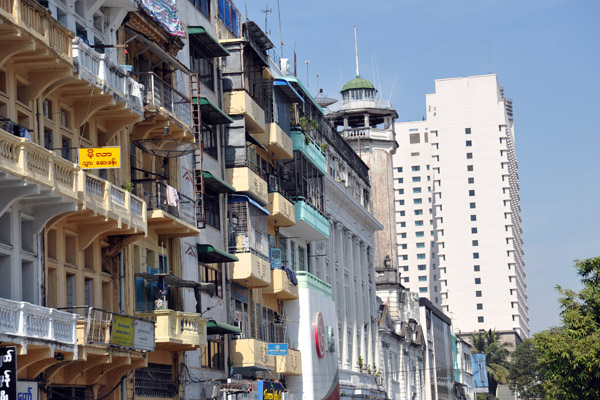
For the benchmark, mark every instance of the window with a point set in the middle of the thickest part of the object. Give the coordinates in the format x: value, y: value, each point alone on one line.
x: 473, y: 217
x: 402, y: 224
x: 399, y: 169
x: 202, y: 63
x: 211, y: 273
x: 479, y: 306
x: 420, y: 245
x: 213, y: 355
x: 416, y: 179
x: 478, y: 293
x: 414, y: 138
x: 421, y: 256
x: 418, y: 201
x: 471, y: 192
x: 416, y: 190
x: 405, y: 268
x: 469, y: 168
x: 467, y: 131
x: 209, y: 141
x: 415, y: 168
x: 471, y: 205
x: 400, y: 191
x: 419, y: 223
x: 478, y: 281
x: 401, y: 202
x: 402, y: 213
x: 418, y: 212
x: 400, y: 180
x: 435, y: 277
x: 404, y: 257
x: 403, y: 246
x: 476, y: 268
x: 469, y: 156
x: 422, y: 290
x: 473, y: 230
x: 422, y: 267
x: 471, y: 180
x: 422, y: 278
x: 475, y: 255
x: 479, y: 319
x: 203, y: 6
x: 406, y: 280
x: 420, y: 234
x: 475, y: 242
x: 403, y: 235
x: 212, y: 211
x: 468, y: 143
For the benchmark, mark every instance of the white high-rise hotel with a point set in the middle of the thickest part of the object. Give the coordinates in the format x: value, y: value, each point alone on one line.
x: 457, y: 207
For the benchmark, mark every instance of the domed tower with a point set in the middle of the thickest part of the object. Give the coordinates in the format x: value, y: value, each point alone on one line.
x: 367, y: 124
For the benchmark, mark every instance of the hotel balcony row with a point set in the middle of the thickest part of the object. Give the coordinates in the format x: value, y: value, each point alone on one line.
x: 252, y: 355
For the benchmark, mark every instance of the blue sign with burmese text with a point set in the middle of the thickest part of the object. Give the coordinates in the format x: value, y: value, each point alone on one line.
x: 277, y: 349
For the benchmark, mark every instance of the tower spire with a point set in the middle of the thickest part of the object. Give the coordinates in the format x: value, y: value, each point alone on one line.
x: 356, y: 51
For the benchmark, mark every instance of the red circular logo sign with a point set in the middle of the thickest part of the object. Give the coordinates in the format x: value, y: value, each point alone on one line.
x: 319, y: 331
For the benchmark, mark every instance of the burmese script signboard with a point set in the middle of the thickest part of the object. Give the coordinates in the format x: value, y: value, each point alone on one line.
x: 8, y: 373
x: 100, y: 158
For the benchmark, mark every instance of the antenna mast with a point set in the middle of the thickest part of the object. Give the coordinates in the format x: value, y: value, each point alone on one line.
x: 266, y: 11
x: 356, y: 51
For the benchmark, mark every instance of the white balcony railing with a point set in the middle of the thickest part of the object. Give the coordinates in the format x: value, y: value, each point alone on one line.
x: 358, y: 104
x: 24, y: 321
x: 99, y: 70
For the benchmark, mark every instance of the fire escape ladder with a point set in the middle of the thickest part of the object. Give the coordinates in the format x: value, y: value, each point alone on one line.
x: 198, y: 154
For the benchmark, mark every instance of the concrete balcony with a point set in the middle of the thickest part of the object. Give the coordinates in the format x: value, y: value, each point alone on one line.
x: 112, y: 209
x: 290, y: 364
x: 246, y: 180
x: 32, y: 326
x: 311, y: 150
x: 109, y: 77
x: 281, y: 286
x: 251, y: 354
x: 251, y: 271
x: 282, y: 211
x: 310, y: 223
x: 178, y: 331
x: 167, y: 216
x: 36, y: 22
x: 368, y: 134
x: 239, y: 102
x: 277, y: 141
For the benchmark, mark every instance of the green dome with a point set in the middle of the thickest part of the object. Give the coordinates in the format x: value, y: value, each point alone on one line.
x: 358, y: 83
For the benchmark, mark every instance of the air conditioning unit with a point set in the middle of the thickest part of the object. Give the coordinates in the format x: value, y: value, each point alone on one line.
x: 379, y: 380
x: 284, y: 65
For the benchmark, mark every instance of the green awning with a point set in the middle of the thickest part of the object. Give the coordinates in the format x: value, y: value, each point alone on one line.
x: 212, y: 113
x: 211, y: 44
x: 216, y: 184
x: 221, y: 328
x: 211, y: 255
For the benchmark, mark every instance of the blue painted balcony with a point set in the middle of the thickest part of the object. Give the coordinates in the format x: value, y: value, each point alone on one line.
x: 310, y: 223
x: 311, y: 150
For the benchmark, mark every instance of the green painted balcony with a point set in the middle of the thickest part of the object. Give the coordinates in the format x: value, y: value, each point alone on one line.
x: 310, y: 223
x: 311, y: 150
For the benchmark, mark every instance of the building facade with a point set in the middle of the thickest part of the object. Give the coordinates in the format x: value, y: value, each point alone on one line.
x: 462, y: 164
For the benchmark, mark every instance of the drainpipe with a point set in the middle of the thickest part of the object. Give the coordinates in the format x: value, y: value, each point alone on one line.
x: 122, y: 311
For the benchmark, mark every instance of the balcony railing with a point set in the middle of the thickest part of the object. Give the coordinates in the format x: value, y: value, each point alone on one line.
x: 28, y: 321
x: 178, y: 330
x: 365, y: 103
x: 161, y: 94
x: 101, y: 327
x: 368, y: 133
x: 25, y: 159
x: 38, y: 22
x: 160, y: 196
x: 99, y: 70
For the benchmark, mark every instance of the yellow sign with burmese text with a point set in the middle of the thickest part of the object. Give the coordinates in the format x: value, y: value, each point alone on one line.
x: 100, y: 157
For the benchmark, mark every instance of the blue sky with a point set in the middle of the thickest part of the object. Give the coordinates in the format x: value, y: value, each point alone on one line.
x: 546, y: 54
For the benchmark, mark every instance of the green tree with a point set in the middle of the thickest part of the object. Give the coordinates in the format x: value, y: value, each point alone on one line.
x: 570, y: 354
x: 496, y: 355
x: 525, y: 372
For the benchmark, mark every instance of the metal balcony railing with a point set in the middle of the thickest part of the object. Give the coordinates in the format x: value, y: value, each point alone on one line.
x: 161, y: 94
x: 176, y: 204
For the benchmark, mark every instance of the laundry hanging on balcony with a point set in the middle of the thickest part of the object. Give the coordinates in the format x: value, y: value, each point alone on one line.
x: 172, y: 196
x: 165, y: 13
